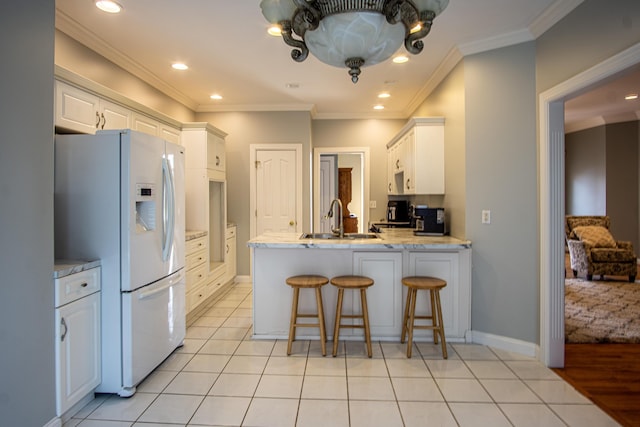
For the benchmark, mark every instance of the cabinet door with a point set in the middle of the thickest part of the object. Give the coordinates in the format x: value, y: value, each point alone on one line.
x: 77, y: 351
x: 145, y: 124
x: 76, y: 109
x: 215, y: 152
x: 169, y: 134
x: 444, y: 266
x: 384, y: 298
x: 230, y: 258
x: 113, y: 116
x: 410, y: 163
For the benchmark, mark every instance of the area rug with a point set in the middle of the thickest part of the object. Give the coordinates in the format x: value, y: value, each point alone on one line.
x: 602, y: 311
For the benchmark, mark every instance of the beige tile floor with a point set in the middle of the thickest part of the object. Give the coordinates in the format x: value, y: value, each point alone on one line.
x: 220, y: 377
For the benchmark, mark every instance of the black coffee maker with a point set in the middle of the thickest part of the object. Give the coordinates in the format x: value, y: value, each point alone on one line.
x: 398, y: 211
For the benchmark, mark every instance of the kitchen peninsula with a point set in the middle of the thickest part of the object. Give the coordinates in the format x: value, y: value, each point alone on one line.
x: 393, y: 254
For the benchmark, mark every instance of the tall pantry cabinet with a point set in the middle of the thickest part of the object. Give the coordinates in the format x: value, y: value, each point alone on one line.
x: 206, y: 207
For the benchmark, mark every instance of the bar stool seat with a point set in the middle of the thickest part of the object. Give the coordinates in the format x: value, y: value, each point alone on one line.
x: 310, y: 281
x: 433, y: 285
x: 357, y: 283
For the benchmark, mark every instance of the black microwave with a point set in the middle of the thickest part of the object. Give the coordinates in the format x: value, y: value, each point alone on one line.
x: 430, y: 221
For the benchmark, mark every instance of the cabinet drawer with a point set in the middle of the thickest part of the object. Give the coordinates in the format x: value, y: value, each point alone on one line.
x: 195, y: 297
x: 75, y: 286
x: 195, y: 259
x: 196, y: 276
x: 196, y: 244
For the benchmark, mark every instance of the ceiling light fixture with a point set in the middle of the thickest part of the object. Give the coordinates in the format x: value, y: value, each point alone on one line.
x: 179, y: 66
x: 355, y: 33
x: 631, y: 96
x: 108, y: 6
x: 216, y: 96
x: 400, y: 59
x: 378, y: 107
x: 384, y: 95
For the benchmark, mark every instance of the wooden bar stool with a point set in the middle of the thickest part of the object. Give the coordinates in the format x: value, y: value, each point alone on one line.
x: 352, y: 282
x: 313, y: 282
x: 433, y: 285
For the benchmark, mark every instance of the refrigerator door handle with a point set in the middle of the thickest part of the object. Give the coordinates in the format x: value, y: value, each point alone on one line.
x: 168, y: 210
x: 170, y: 283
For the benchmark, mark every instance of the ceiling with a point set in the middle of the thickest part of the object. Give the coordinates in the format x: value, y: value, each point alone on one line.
x: 229, y: 52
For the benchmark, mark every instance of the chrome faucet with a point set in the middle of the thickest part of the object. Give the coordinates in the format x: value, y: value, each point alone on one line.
x: 340, y: 230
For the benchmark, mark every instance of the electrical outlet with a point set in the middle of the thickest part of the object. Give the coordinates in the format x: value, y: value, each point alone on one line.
x: 372, y: 204
x: 486, y: 216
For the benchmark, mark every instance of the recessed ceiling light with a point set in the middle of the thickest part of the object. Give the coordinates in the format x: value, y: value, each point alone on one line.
x: 179, y: 66
x: 108, y: 6
x: 400, y: 59
x: 384, y: 95
x: 275, y: 30
x: 378, y: 107
x: 216, y: 96
x: 631, y: 96
x: 292, y: 85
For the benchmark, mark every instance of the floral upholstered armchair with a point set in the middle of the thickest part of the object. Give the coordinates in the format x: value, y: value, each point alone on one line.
x: 593, y: 250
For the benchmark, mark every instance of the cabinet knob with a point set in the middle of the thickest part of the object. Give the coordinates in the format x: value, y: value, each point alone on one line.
x: 292, y: 223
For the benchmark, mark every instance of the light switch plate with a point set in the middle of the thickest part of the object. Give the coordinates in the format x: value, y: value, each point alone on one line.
x: 486, y: 216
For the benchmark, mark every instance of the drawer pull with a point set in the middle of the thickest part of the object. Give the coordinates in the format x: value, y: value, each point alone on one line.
x: 64, y: 334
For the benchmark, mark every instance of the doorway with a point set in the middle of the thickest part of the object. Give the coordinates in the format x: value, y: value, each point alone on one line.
x: 325, y: 187
x: 551, y: 172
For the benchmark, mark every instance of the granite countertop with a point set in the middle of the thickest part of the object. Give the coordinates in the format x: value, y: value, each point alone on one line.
x: 393, y: 238
x: 194, y: 234
x: 66, y: 267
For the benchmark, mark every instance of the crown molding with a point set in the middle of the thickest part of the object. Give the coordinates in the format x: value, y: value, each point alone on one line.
x: 84, y: 36
x: 441, y: 72
x: 497, y: 42
x: 552, y: 15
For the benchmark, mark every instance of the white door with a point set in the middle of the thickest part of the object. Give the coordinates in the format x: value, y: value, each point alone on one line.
x: 276, y: 191
x: 328, y: 191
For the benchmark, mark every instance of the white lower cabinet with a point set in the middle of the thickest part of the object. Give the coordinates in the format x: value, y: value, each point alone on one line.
x: 384, y: 298
x: 77, y: 341
x: 230, y: 256
x: 455, y: 298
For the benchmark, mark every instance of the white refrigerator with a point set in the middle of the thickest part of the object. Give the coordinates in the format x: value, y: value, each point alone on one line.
x: 119, y: 198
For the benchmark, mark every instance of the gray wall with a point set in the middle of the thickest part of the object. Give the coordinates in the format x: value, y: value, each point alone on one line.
x: 448, y: 101
x: 594, y: 31
x: 27, y: 393
x: 585, y: 172
x: 243, y: 130
x: 622, y: 180
x: 501, y: 171
x: 374, y: 134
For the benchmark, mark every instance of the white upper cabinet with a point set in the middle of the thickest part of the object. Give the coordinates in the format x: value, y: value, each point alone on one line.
x: 415, y: 158
x: 82, y: 111
x: 76, y: 109
x: 205, y: 147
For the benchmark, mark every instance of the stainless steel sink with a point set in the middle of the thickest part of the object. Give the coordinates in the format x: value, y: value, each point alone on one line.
x: 331, y: 236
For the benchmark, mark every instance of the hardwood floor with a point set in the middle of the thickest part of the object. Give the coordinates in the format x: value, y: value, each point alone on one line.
x: 607, y: 374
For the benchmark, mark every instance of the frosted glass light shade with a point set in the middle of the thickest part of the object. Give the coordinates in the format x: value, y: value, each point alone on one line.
x: 436, y: 6
x: 277, y: 10
x: 365, y: 35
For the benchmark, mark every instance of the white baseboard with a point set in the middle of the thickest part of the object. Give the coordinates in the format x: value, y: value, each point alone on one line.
x: 504, y: 343
x: 55, y: 422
